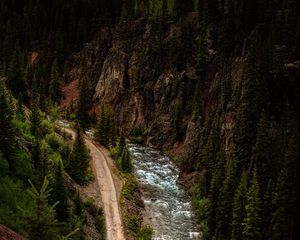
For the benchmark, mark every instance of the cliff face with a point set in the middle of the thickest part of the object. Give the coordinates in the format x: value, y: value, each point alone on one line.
x: 146, y: 70
x: 148, y: 76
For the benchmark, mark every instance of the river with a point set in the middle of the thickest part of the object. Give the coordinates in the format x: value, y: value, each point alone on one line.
x: 168, y: 208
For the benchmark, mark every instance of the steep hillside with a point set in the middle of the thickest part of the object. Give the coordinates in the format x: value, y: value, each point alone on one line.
x: 221, y: 94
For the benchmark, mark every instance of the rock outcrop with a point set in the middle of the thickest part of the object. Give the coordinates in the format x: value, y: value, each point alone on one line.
x: 146, y: 70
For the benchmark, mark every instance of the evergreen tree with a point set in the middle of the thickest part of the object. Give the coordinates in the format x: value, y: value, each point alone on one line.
x: 105, y: 129
x: 225, y: 200
x: 112, y: 134
x: 39, y: 160
x: 248, y: 116
x: 83, y: 104
x: 78, y: 208
x: 238, y: 211
x: 201, y: 58
x: 262, y: 156
x: 36, y: 155
x: 79, y: 159
x: 41, y: 222
x: 16, y: 73
x: 55, y: 83
x: 125, y: 161
x: 215, y: 186
x: 252, y: 220
x: 20, y: 108
x: 35, y: 121
x: 7, y: 132
x: 267, y: 210
x: 122, y: 142
x: 285, y: 220
x: 60, y: 195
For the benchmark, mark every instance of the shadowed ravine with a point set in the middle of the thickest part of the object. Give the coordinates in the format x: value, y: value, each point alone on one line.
x: 167, y: 207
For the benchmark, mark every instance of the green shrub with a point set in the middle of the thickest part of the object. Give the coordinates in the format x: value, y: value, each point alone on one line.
x: 89, y: 176
x: 55, y: 157
x: 54, y: 113
x: 100, y: 222
x: 133, y: 223
x: 53, y: 141
x: 114, y: 152
x: 130, y: 187
x: 144, y: 233
x: 46, y: 127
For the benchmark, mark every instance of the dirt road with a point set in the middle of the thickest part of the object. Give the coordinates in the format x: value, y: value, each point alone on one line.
x: 103, y: 174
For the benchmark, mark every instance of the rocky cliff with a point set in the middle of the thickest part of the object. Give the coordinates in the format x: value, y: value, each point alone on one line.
x: 147, y: 71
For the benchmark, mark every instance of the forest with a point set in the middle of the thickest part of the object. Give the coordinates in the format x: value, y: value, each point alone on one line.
x: 215, y: 84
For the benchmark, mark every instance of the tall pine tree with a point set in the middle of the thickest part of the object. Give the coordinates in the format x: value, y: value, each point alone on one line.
x: 16, y: 73
x: 79, y: 159
x: 41, y: 221
x: 35, y: 122
x: 83, y: 104
x: 238, y: 211
x: 285, y: 221
x: 252, y: 220
x: 7, y: 132
x: 60, y: 195
x: 55, y: 83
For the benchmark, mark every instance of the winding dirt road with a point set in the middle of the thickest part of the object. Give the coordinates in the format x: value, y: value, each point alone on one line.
x: 103, y: 174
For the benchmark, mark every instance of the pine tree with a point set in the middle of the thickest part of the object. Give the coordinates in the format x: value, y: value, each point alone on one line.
x: 16, y: 73
x: 252, y: 220
x: 262, y: 156
x: 39, y: 160
x: 105, y: 129
x: 225, y: 200
x: 79, y: 159
x: 7, y: 132
x: 238, y: 211
x: 112, y: 134
x: 248, y: 116
x: 125, y: 161
x: 55, y: 83
x: 35, y: 122
x: 285, y: 220
x: 41, y: 222
x: 201, y: 58
x: 215, y: 186
x: 78, y: 208
x: 60, y: 195
x: 83, y: 104
x: 20, y: 108
x: 268, y: 209
x: 122, y: 142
